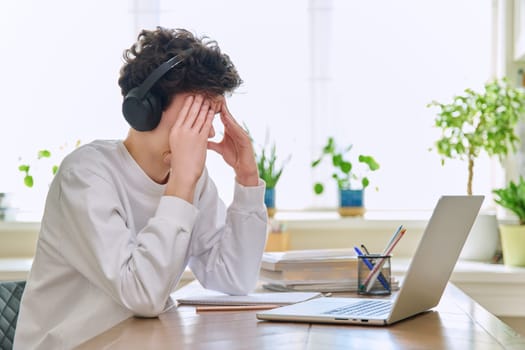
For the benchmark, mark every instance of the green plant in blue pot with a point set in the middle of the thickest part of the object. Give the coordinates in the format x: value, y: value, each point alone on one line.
x: 351, y: 176
x: 269, y: 170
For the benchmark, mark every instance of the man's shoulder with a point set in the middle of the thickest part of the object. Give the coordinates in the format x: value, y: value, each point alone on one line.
x: 96, y: 154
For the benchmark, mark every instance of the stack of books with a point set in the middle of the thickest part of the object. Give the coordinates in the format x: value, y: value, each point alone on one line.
x: 321, y: 270
x: 324, y: 270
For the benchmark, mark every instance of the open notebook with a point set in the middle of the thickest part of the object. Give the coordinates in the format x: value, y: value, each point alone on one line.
x: 201, y: 296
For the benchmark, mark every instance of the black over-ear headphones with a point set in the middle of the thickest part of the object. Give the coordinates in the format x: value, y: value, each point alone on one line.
x: 140, y: 107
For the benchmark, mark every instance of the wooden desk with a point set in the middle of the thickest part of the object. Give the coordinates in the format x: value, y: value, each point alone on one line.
x: 457, y: 323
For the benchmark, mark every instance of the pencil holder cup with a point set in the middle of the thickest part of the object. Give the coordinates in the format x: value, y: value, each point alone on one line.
x: 373, y: 274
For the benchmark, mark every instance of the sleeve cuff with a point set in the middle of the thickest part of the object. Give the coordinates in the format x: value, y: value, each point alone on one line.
x: 249, y: 198
x: 178, y: 210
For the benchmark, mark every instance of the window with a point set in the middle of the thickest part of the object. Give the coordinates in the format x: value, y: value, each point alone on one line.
x: 372, y: 69
x: 361, y: 72
x: 389, y: 62
x: 60, y: 64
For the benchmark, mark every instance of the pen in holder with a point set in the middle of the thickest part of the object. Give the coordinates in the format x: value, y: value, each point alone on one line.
x: 373, y: 274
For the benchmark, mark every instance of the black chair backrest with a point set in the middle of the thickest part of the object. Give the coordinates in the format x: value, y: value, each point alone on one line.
x: 10, y: 295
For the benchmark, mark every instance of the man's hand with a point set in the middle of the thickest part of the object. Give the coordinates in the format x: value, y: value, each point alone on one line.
x: 188, y: 143
x: 237, y: 150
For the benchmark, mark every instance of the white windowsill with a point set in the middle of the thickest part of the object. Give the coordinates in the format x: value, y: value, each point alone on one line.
x: 307, y: 229
x: 379, y: 218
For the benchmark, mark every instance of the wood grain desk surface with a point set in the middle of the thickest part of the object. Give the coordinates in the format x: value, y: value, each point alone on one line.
x: 457, y: 322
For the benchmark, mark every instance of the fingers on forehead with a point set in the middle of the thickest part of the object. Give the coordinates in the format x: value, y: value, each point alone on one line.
x: 215, y: 102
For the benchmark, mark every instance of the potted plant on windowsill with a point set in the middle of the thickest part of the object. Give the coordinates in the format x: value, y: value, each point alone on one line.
x: 37, y: 174
x: 25, y: 169
x: 269, y: 170
x: 29, y: 172
x: 512, y: 197
x: 351, y: 181
x: 477, y: 122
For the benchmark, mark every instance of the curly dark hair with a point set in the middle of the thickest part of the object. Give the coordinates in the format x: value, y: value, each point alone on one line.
x: 205, y: 70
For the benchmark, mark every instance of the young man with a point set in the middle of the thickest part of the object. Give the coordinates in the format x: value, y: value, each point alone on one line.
x: 123, y: 219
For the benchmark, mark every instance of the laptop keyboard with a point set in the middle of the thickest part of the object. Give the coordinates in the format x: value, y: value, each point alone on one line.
x: 362, y: 308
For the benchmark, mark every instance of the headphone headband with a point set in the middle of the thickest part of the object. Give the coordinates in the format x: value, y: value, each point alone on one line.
x: 160, y: 71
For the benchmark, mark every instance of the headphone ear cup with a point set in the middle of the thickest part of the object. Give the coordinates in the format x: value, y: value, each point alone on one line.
x: 140, y: 107
x: 142, y: 114
x: 155, y: 108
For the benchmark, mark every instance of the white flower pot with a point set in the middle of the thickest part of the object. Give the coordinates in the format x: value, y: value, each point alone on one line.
x: 483, y: 239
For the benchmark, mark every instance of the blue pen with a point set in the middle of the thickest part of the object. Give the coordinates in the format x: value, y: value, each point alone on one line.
x: 381, y: 278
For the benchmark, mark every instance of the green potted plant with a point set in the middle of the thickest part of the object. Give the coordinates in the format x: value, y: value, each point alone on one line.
x: 25, y: 169
x: 37, y: 175
x: 269, y: 170
x: 512, y: 198
x: 477, y: 122
x: 350, y: 176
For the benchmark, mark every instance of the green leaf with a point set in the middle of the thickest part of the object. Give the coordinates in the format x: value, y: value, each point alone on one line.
x: 318, y: 188
x: 337, y: 159
x: 346, y: 167
x: 54, y: 169
x: 316, y: 163
x: 373, y: 165
x: 43, y: 154
x: 330, y: 146
x: 28, y: 181
x: 24, y: 168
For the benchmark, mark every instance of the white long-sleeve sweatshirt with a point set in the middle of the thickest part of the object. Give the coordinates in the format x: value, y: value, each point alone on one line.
x: 111, y: 246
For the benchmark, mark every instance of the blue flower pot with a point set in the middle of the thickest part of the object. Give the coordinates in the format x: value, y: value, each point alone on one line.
x: 269, y: 201
x: 351, y: 202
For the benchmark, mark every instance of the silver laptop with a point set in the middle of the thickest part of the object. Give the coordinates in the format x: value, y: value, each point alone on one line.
x: 424, y: 282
